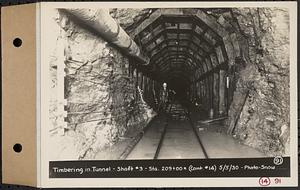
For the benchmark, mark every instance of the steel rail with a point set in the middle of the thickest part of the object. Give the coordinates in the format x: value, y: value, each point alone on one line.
x: 197, y: 135
x: 162, y: 136
x: 135, y: 141
x: 160, y: 142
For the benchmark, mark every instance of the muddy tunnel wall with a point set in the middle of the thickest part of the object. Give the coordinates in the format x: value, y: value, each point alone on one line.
x: 108, y: 93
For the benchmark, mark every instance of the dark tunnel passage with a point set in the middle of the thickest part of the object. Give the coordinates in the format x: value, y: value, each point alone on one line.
x: 224, y: 84
x: 189, y: 55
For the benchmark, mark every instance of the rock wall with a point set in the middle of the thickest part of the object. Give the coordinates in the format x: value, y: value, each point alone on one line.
x: 101, y: 102
x: 130, y: 18
x: 263, y: 82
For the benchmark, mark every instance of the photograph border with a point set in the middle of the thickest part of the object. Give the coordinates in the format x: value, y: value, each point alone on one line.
x: 167, y: 182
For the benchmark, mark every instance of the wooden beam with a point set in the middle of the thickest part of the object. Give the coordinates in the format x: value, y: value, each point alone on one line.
x: 143, y: 26
x: 174, y: 60
x: 177, y: 73
x: 222, y: 66
x: 195, y: 52
x: 138, y: 40
x: 152, y: 34
x: 165, y: 36
x: 162, y: 21
x: 211, y: 22
x: 177, y: 41
x: 175, y: 53
x: 182, y: 31
x: 163, y: 51
x: 186, y: 47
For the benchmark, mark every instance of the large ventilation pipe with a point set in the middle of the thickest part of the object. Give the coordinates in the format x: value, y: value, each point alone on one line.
x: 103, y: 24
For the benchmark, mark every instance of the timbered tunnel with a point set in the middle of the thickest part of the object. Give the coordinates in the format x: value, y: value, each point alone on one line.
x: 218, y: 64
x: 187, y: 51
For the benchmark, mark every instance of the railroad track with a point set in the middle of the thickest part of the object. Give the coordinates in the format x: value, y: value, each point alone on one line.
x: 197, y: 136
x: 179, y: 113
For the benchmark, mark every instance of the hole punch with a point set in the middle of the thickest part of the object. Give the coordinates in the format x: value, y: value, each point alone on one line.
x: 17, y: 42
x: 17, y: 148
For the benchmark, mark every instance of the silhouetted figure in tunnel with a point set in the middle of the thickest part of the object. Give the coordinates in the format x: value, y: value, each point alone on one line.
x: 164, y: 99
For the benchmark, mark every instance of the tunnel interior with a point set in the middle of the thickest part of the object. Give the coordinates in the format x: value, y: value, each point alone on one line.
x: 220, y: 64
x: 189, y: 55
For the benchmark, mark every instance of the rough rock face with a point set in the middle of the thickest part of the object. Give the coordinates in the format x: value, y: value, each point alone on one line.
x: 101, y: 103
x: 130, y: 18
x: 263, y: 85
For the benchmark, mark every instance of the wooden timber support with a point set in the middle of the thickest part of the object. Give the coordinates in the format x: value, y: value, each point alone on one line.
x: 222, y: 66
